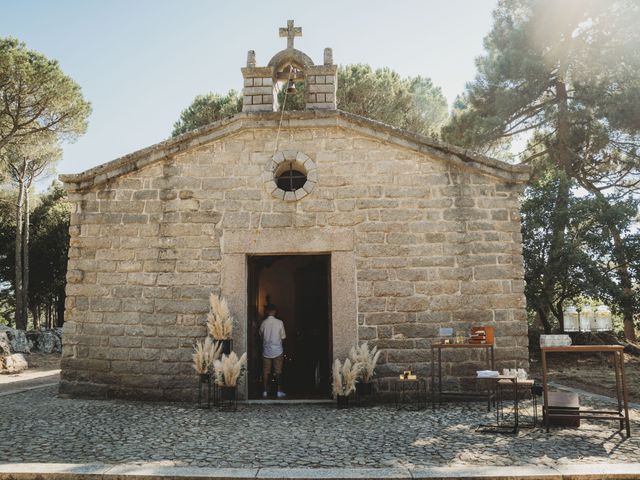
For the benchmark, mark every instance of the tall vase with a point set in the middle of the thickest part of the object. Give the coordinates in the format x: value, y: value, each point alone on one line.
x: 227, y: 398
x: 342, y: 401
x: 364, y: 389
x: 227, y: 345
x: 204, y: 382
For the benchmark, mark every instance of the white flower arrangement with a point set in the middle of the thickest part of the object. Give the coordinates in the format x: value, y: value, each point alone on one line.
x: 367, y: 359
x: 205, y: 354
x: 219, y: 320
x: 344, y: 377
x: 229, y: 369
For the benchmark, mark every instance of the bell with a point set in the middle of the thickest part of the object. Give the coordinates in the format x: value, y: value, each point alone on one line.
x: 291, y: 87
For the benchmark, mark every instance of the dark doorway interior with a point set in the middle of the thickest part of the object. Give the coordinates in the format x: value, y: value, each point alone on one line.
x: 299, y: 286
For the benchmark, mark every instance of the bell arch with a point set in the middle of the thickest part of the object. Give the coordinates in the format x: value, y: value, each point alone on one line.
x: 288, y: 66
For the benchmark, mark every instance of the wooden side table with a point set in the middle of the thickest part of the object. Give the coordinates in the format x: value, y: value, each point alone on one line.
x: 438, y: 393
x: 621, y: 414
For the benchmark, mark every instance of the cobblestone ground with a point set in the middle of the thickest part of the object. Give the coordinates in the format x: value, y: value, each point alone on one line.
x: 36, y: 426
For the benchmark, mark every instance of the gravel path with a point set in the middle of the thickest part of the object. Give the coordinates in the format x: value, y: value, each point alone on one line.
x: 37, y: 426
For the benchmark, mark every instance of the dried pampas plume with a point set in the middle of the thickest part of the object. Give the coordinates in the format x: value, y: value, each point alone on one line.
x: 219, y: 321
x: 229, y: 369
x: 205, y: 354
x: 368, y: 359
x: 344, y: 377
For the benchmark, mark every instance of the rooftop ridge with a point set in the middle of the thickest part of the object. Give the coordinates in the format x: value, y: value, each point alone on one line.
x: 100, y: 174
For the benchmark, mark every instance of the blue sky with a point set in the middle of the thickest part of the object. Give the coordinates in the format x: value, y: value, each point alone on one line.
x: 140, y: 62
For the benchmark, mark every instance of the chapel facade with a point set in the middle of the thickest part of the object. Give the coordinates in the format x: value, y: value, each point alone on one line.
x: 356, y: 230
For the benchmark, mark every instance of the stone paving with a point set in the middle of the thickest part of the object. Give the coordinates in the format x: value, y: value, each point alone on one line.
x: 37, y: 426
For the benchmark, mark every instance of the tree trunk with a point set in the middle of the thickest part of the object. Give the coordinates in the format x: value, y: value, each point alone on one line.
x: 35, y: 313
x: 543, y: 318
x: 20, y: 307
x: 60, y: 310
x: 622, y: 265
x: 558, y: 221
x: 25, y: 258
x: 559, y: 314
x: 626, y: 284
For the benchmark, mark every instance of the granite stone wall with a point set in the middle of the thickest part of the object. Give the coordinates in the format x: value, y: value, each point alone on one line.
x: 435, y: 244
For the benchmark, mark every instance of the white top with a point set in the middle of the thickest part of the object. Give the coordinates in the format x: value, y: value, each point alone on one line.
x: 272, y: 333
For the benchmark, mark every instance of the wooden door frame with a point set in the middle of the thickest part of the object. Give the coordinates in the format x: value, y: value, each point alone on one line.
x: 253, y: 288
x: 238, y: 245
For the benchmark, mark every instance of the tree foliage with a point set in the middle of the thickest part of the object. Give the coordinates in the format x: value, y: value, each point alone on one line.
x: 564, y: 74
x: 586, y: 252
x: 206, y: 109
x: 40, y: 106
x: 411, y: 103
x: 564, y: 77
x: 24, y: 162
x: 49, y: 246
x: 49, y: 252
x: 37, y: 97
x: 7, y: 239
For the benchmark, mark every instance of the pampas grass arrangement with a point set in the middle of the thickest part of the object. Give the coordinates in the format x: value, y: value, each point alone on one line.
x: 229, y: 369
x: 219, y: 320
x: 205, y: 354
x: 345, y: 377
x: 367, y: 359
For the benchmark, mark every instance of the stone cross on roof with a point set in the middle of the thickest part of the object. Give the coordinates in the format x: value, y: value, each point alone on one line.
x: 290, y: 32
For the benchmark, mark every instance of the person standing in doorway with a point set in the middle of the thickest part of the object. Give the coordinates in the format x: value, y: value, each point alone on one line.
x: 272, y: 334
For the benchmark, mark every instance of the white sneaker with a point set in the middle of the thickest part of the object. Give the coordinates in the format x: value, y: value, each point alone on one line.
x: 265, y: 394
x: 281, y: 394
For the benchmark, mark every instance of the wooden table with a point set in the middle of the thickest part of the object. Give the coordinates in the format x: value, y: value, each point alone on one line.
x: 438, y: 393
x: 622, y: 413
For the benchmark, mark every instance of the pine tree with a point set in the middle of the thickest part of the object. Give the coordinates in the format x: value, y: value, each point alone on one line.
x: 564, y: 77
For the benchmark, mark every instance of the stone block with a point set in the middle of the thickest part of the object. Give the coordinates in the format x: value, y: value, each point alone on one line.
x: 105, y: 304
x: 108, y: 353
x: 371, y: 304
x: 236, y: 219
x: 494, y: 273
x: 200, y: 217
x: 140, y: 330
x: 408, y: 356
x: 393, y: 289
x: 261, y: 90
x: 138, y: 278
x: 321, y: 88
x: 125, y: 342
x: 275, y: 220
x: 190, y: 332
x: 367, y: 333
x: 392, y: 343
x: 196, y: 306
x: 416, y: 330
x: 14, y: 363
x: 411, y: 304
x: 385, y: 318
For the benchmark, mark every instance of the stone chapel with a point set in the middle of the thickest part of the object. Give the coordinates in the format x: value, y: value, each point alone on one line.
x: 356, y: 230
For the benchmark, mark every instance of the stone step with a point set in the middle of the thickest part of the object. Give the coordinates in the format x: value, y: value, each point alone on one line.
x: 61, y: 471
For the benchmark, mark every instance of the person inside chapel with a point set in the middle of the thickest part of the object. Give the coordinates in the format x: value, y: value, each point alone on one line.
x: 272, y: 333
